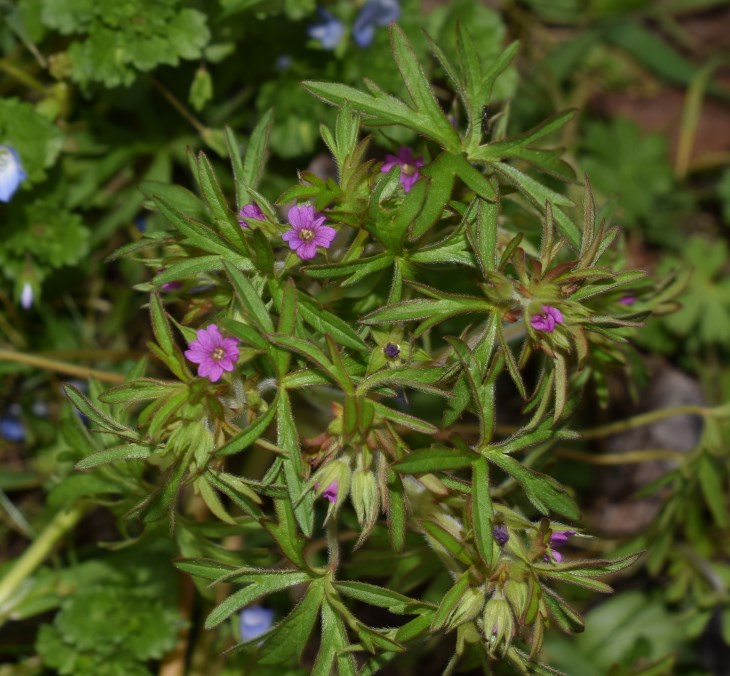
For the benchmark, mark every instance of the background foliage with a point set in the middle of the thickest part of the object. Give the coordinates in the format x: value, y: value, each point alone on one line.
x: 104, y: 103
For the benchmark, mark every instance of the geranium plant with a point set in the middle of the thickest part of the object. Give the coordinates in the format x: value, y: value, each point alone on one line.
x: 322, y: 353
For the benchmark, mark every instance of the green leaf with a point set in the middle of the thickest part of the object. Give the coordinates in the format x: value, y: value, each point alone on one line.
x: 288, y: 639
x: 255, y: 160
x: 396, y: 511
x: 252, y: 305
x: 439, y: 535
x: 294, y: 469
x: 449, y: 603
x: 543, y: 491
x: 249, y: 434
x: 195, y: 233
x: 418, y: 87
x: 434, y: 459
x: 482, y: 512
x: 225, y: 221
x: 409, y: 421
x: 141, y: 389
x: 82, y: 403
x: 267, y: 583
x: 710, y: 477
x: 116, y: 454
x: 325, y: 322
x: 381, y: 597
x: 161, y: 325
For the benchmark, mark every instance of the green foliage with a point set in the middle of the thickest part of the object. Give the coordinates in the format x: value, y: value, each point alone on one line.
x: 123, y: 38
x: 704, y: 318
x: 633, y: 168
x: 389, y: 441
x: 118, y: 617
x: 36, y: 140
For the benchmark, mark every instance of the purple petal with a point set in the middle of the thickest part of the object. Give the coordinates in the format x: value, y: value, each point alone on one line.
x: 301, y: 216
x: 554, y: 313
x: 196, y: 356
x: 324, y: 236
x: 215, y: 373
x: 289, y: 235
x: 307, y: 250
x: 408, y: 181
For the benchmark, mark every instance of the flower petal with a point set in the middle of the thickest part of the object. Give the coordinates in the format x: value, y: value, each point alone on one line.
x: 324, y: 236
x: 307, y: 250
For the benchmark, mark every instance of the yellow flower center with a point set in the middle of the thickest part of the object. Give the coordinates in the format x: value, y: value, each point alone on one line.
x: 218, y: 354
x: 306, y: 235
x: 408, y: 169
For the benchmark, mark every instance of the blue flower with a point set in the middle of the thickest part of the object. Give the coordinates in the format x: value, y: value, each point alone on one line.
x: 11, y: 173
x: 255, y: 621
x: 12, y: 429
x: 328, y: 31
x: 373, y: 14
x: 26, y: 296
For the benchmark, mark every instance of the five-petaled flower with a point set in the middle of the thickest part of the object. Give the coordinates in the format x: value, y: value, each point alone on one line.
x: 308, y: 231
x: 330, y: 493
x: 12, y: 173
x: 547, y: 319
x: 374, y: 13
x: 409, y: 166
x: 250, y: 211
x: 255, y: 621
x: 328, y: 31
x: 213, y: 353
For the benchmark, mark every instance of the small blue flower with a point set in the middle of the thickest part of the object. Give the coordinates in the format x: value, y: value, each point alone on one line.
x: 255, y: 621
x: 373, y: 14
x: 12, y: 429
x: 26, y: 296
x: 283, y: 62
x: 11, y: 173
x: 328, y: 31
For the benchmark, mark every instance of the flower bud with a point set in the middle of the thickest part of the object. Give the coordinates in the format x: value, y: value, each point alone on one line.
x: 517, y: 596
x: 333, y: 479
x: 468, y: 608
x: 499, y: 623
x: 365, y: 497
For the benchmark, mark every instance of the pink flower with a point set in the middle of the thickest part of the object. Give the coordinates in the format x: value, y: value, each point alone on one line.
x: 627, y: 300
x: 408, y: 164
x: 330, y: 493
x: 547, y: 319
x: 250, y: 211
x: 308, y: 231
x: 213, y: 353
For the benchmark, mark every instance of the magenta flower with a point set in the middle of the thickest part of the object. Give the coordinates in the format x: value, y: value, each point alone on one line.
x: 250, y: 211
x: 213, y: 353
x: 308, y: 231
x: 408, y: 164
x: 627, y: 300
x: 547, y: 319
x: 330, y: 493
x: 557, y: 539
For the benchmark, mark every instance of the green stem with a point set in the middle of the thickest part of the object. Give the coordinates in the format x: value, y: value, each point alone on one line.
x: 630, y: 457
x: 20, y: 75
x: 60, y: 366
x: 36, y: 554
x: 333, y: 545
x: 644, y: 419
